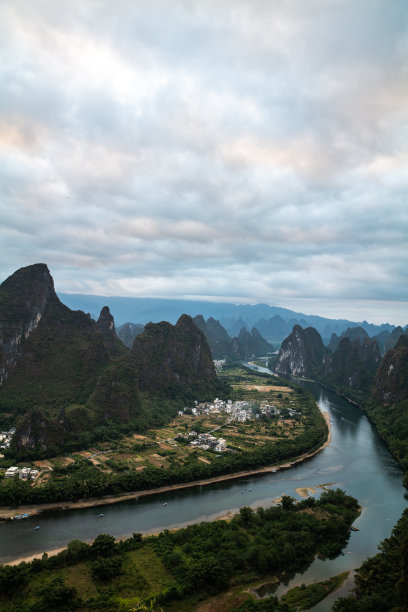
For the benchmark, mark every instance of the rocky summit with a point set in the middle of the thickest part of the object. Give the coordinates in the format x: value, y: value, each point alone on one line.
x: 173, y: 357
x: 301, y: 353
x: 24, y: 297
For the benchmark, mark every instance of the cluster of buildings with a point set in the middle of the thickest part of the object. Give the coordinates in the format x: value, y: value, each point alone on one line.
x: 5, y: 438
x: 205, y: 441
x: 240, y: 411
x: 23, y: 473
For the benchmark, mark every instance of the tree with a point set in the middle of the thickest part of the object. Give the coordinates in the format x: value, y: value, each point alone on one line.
x: 103, y: 546
x: 287, y: 502
x: 402, y: 585
x: 246, y: 514
x: 105, y: 569
x: 56, y: 595
x: 79, y: 550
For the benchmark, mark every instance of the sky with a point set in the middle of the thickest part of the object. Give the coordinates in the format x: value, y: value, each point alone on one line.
x: 231, y: 150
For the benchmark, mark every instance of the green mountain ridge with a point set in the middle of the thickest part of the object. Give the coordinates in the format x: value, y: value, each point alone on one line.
x: 65, y: 375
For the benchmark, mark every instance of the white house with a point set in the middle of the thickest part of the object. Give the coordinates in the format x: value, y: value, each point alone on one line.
x: 12, y: 471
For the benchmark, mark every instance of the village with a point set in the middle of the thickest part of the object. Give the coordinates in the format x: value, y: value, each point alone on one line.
x: 240, y: 411
x: 5, y: 438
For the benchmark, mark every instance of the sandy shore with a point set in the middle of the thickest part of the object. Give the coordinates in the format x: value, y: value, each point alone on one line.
x: 92, y: 502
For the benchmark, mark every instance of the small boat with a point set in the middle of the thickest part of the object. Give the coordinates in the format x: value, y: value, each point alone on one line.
x: 249, y: 489
x: 100, y: 515
x: 354, y: 529
x: 165, y: 504
x: 36, y: 527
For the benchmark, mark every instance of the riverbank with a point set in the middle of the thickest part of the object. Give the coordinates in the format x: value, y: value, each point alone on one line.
x: 8, y: 513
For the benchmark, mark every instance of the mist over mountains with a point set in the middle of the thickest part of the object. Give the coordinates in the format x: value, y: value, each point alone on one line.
x: 273, y: 322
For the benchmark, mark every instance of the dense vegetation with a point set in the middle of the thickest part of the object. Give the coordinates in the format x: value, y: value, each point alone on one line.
x: 392, y: 425
x: 81, y: 479
x: 85, y: 480
x: 304, y: 597
x: 175, y: 570
x: 62, y: 373
x: 382, y: 580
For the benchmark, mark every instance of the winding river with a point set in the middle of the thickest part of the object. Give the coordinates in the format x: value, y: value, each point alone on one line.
x: 356, y: 460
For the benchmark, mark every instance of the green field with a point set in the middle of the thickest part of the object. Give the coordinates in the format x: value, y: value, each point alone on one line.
x: 165, y: 456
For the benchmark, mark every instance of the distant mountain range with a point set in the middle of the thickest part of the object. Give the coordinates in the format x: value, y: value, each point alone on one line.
x: 246, y: 345
x: 273, y: 322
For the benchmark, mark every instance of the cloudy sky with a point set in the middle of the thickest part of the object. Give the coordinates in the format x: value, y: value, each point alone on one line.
x: 235, y: 150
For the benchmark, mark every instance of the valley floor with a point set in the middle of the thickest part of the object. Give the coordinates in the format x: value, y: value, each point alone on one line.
x: 8, y: 513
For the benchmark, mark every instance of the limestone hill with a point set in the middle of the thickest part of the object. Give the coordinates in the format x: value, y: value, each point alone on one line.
x: 64, y: 376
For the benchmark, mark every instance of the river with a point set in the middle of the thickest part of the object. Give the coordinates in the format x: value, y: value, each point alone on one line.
x: 356, y: 460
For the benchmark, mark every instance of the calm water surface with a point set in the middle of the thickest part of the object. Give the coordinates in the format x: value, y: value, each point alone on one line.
x: 356, y: 460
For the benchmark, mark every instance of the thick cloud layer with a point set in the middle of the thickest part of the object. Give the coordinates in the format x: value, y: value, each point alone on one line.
x: 252, y: 150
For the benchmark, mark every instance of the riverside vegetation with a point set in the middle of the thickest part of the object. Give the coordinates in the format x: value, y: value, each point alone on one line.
x: 154, y: 459
x: 380, y: 387
x: 175, y: 571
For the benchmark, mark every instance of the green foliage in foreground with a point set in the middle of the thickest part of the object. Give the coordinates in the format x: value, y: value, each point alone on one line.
x: 185, y: 566
x: 382, y: 580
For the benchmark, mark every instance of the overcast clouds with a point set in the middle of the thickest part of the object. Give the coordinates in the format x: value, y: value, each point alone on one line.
x: 246, y: 150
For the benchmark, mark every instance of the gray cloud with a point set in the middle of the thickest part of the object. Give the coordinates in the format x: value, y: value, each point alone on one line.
x: 239, y: 150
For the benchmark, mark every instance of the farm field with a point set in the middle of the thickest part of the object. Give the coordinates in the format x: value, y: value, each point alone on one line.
x: 161, y: 448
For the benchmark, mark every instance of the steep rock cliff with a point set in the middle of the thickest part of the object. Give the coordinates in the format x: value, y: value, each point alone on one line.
x: 106, y: 326
x: 216, y: 335
x: 23, y: 299
x: 353, y: 364
x: 301, y: 354
x: 175, y: 359
x: 391, y: 381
